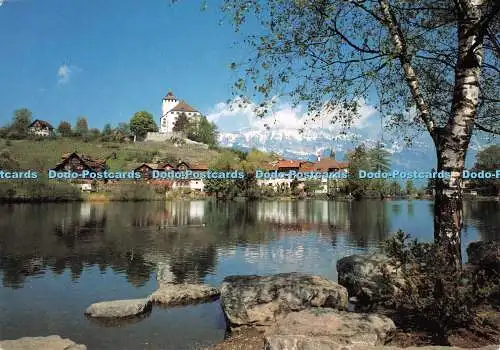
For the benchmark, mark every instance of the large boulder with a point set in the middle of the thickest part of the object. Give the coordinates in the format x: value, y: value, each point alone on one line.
x: 260, y: 300
x: 119, y: 308
x: 301, y: 342
x: 52, y: 342
x: 339, y: 326
x: 369, y: 278
x: 485, y: 255
x: 183, y: 294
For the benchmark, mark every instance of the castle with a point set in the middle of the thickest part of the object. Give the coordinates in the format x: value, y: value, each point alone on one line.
x: 171, y: 109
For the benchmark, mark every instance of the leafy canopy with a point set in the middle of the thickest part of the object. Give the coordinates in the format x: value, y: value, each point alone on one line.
x: 141, y: 123
x: 333, y: 54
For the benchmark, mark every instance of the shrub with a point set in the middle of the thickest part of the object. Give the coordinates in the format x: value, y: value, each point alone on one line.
x: 134, y: 192
x: 435, y: 293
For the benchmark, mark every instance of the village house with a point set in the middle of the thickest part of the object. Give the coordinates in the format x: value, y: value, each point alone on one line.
x: 73, y: 162
x: 78, y: 163
x: 192, y: 184
x: 146, y: 170
x: 40, y: 128
x: 326, y: 164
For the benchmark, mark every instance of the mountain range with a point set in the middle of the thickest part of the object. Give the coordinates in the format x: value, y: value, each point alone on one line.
x: 308, y: 145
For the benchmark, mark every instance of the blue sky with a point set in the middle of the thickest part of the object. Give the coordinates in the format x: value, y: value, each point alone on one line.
x: 108, y: 59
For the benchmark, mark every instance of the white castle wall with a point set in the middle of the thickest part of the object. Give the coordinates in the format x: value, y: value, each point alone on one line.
x: 163, y: 136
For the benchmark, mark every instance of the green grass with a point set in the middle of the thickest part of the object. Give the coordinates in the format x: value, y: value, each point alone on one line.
x: 45, y: 154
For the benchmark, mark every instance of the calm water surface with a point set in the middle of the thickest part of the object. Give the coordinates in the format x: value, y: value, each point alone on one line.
x: 57, y: 259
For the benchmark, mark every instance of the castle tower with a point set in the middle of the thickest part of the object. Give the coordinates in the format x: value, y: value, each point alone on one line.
x: 171, y: 108
x: 167, y: 119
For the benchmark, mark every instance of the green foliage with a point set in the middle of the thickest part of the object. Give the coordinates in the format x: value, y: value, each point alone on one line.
x: 201, y: 130
x: 6, y: 161
x: 379, y: 158
x: 410, y: 188
x: 311, y: 186
x: 21, y: 121
x: 222, y: 188
x: 182, y: 123
x: 439, y: 296
x: 64, y: 129
x: 18, y: 129
x: 39, y: 190
x: 81, y: 127
x: 226, y: 160
x: 342, y: 52
x: 488, y: 160
x: 141, y: 123
x: 107, y: 130
x: 134, y: 192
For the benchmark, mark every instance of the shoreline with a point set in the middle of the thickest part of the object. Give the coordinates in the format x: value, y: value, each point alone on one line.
x: 106, y: 197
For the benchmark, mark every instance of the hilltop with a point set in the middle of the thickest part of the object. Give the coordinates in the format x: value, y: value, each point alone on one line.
x: 46, y: 153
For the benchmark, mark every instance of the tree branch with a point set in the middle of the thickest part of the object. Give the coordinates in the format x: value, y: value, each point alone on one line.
x: 409, y: 73
x: 485, y: 129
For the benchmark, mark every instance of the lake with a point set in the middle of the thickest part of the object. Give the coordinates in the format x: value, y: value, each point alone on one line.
x: 57, y: 259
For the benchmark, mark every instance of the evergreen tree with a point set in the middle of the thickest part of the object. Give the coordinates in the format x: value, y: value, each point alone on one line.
x: 182, y: 123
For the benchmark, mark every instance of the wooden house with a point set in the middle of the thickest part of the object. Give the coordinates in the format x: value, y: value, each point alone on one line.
x: 40, y: 128
x: 78, y: 163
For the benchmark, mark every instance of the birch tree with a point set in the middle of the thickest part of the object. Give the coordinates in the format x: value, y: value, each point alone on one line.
x: 432, y: 65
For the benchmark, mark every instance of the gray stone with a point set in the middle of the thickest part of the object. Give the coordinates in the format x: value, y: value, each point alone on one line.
x: 182, y: 294
x: 259, y: 300
x: 301, y: 342
x: 339, y: 326
x: 485, y: 254
x: 370, y: 278
x: 119, y: 308
x: 52, y: 342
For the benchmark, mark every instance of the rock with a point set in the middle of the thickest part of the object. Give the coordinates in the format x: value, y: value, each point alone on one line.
x: 52, y: 342
x: 259, y: 300
x: 363, y: 277
x: 339, y: 326
x: 182, y: 294
x: 485, y: 255
x: 301, y: 342
x: 119, y: 308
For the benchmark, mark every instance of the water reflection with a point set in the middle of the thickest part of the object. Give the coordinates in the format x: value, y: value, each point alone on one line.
x: 190, y: 238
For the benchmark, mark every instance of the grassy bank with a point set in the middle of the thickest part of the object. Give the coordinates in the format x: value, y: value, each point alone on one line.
x: 45, y: 154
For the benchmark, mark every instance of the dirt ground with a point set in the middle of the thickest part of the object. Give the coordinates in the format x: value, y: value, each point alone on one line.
x: 485, y: 332
x: 250, y: 339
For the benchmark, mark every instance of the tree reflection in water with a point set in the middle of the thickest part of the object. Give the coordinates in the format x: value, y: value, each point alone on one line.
x: 134, y: 238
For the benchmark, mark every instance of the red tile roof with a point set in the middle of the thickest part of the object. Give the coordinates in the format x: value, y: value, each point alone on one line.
x: 326, y: 164
x: 198, y: 166
x: 288, y: 163
x: 183, y: 107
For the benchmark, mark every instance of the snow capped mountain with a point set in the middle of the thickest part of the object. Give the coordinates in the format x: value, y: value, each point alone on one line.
x: 292, y: 144
x: 290, y: 133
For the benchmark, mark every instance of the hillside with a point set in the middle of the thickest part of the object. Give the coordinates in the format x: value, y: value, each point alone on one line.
x: 45, y: 154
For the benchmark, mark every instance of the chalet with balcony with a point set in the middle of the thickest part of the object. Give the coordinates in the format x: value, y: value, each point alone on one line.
x: 40, y: 128
x: 78, y: 163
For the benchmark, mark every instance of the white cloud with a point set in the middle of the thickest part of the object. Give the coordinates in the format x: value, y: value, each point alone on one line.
x: 64, y: 74
x: 235, y: 116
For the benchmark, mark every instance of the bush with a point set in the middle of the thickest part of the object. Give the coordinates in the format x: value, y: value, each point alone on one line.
x: 38, y: 191
x: 134, y: 192
x: 435, y: 293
